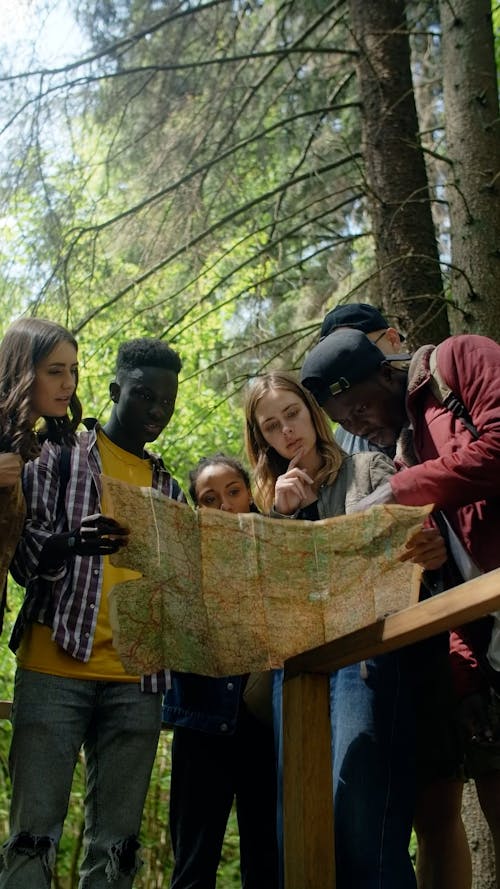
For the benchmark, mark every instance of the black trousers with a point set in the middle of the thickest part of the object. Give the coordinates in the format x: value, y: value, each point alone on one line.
x: 208, y: 772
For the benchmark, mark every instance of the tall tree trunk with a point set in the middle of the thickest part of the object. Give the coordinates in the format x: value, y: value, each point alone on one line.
x: 405, y: 242
x: 480, y: 841
x: 473, y: 145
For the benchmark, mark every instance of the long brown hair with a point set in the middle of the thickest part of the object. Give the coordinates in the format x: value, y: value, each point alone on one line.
x: 267, y: 464
x: 24, y: 345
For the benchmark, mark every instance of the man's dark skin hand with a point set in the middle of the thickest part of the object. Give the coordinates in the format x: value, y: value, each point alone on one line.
x: 98, y: 535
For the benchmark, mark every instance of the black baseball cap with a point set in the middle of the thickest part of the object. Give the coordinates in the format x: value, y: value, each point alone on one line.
x: 345, y: 357
x: 359, y: 316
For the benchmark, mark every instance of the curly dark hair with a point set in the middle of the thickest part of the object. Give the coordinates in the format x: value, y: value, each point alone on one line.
x: 146, y: 352
x: 26, y: 342
x: 218, y: 459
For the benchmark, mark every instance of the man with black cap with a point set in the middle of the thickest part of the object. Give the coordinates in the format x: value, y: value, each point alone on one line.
x: 449, y: 400
x: 364, y: 317
x: 368, y: 319
x: 379, y: 694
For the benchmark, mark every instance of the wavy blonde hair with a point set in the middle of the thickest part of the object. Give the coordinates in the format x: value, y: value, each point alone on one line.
x: 265, y: 461
x: 24, y: 345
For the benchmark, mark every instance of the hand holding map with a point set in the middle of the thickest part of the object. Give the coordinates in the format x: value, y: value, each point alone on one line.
x: 226, y: 594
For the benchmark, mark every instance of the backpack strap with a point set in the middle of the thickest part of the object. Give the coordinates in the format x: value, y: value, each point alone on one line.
x: 447, y: 397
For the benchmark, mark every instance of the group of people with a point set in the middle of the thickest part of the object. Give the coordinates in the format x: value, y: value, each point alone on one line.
x: 407, y: 727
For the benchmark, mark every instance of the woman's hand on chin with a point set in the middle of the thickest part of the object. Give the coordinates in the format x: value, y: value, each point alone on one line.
x: 293, y: 488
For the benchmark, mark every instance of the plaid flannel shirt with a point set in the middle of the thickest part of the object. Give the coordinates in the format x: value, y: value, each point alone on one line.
x: 67, y: 598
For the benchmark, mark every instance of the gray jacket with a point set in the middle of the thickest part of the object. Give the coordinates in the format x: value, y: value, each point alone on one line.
x: 358, y: 476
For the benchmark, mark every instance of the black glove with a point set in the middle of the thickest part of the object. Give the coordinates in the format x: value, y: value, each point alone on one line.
x: 98, y: 535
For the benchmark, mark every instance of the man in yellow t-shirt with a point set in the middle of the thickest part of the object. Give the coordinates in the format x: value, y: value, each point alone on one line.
x: 71, y: 689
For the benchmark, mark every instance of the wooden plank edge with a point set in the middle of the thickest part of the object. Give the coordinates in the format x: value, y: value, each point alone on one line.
x: 459, y: 605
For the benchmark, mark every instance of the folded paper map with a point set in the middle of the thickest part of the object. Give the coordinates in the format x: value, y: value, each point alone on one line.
x: 223, y: 593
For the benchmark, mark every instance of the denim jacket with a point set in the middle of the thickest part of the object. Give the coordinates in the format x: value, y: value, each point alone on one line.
x: 204, y: 703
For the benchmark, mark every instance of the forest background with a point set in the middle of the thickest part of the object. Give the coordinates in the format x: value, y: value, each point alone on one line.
x: 221, y: 173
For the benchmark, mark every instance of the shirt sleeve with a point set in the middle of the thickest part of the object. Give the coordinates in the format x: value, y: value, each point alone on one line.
x: 382, y: 468
x: 41, y: 492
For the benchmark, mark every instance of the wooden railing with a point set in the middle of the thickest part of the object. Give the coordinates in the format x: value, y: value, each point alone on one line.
x: 307, y: 769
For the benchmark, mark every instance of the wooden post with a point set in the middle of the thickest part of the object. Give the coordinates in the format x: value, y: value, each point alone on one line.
x: 307, y: 766
x: 307, y: 784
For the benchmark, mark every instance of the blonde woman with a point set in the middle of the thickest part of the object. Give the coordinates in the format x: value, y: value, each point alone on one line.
x: 300, y: 472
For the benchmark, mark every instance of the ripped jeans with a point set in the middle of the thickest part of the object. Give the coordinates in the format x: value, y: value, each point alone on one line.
x: 52, y: 718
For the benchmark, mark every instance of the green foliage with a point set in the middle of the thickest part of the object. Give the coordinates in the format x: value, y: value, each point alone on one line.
x: 178, y: 187
x: 7, y: 667
x: 198, y: 176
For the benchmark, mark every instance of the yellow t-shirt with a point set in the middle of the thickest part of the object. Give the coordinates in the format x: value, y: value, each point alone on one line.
x: 37, y: 650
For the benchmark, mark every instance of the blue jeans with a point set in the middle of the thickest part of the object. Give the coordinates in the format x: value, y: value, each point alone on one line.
x: 372, y: 716
x: 52, y: 718
x: 278, y: 746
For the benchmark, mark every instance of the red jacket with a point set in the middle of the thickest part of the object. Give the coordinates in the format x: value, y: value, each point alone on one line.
x: 458, y: 473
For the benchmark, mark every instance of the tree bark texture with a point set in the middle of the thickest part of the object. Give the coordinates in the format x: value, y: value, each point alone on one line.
x: 472, y: 125
x: 480, y: 840
x: 405, y: 243
x: 473, y: 145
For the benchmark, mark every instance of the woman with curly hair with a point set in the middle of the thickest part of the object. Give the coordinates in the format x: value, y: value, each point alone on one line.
x: 38, y: 379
